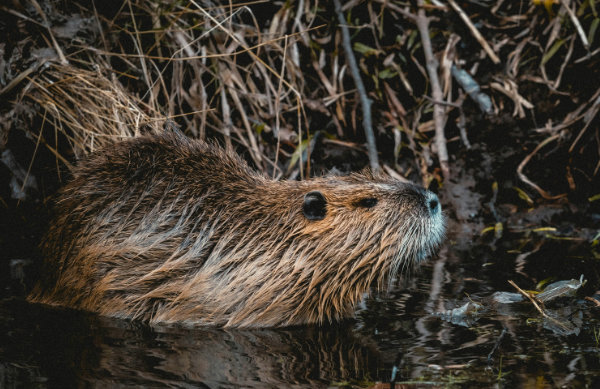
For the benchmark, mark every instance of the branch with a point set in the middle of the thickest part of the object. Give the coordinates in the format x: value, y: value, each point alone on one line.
x: 365, y: 101
x: 489, y: 51
x: 436, y: 91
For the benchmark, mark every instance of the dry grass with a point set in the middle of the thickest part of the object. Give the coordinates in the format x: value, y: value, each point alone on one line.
x: 89, y: 109
x: 266, y: 78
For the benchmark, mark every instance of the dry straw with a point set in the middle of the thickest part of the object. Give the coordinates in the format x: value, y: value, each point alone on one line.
x: 90, y: 109
x: 264, y: 77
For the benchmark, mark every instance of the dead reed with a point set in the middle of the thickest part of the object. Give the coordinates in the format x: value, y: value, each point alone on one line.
x: 267, y: 77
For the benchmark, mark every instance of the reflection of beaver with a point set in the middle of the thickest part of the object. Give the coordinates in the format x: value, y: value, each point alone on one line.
x: 168, y: 229
x: 98, y: 352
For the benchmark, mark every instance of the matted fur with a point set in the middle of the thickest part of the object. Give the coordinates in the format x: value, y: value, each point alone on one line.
x: 168, y: 229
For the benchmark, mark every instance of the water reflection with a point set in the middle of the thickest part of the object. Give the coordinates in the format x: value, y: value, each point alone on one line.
x: 508, y: 346
x: 70, y: 348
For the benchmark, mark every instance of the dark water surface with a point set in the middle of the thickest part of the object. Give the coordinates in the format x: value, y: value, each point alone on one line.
x: 508, y: 346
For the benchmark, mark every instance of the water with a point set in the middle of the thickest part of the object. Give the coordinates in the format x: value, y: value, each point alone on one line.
x: 395, y: 334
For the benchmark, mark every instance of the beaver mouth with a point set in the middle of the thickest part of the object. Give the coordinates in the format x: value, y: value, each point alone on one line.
x: 432, y: 232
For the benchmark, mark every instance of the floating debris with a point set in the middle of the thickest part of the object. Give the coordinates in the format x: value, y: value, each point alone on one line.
x: 563, y: 321
x: 560, y: 289
x: 464, y: 315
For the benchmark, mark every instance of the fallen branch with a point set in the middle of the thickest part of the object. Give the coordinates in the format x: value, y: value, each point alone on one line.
x: 422, y: 22
x: 364, y: 99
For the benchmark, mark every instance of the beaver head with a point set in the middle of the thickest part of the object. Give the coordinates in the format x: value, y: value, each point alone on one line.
x: 169, y: 229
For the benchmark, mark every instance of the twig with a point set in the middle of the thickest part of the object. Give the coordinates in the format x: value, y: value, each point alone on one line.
x: 575, y: 21
x: 536, y: 305
x: 20, y: 77
x: 587, y: 56
x: 593, y: 300
x: 442, y: 102
x: 526, y: 180
x: 436, y: 91
x: 365, y: 101
x: 510, y: 89
x: 138, y: 45
x: 394, y: 174
x: 462, y: 123
x: 61, y: 56
x: 472, y: 88
x: 589, y: 115
x: 278, y: 107
x: 566, y: 61
x: 398, y: 9
x: 475, y: 32
x: 489, y: 357
x: 527, y: 295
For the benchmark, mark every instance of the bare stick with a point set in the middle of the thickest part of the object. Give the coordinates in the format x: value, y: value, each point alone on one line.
x: 593, y: 300
x: 61, y: 56
x: 365, y: 101
x: 575, y: 21
x: 537, y: 306
x: 436, y: 91
x: 475, y: 32
x: 527, y: 295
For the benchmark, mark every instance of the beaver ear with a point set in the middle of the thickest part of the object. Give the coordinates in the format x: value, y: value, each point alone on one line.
x: 315, y: 206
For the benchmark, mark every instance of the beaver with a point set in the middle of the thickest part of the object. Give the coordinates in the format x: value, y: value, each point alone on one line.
x: 168, y: 229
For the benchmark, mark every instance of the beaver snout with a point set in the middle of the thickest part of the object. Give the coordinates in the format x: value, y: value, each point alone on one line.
x: 433, y: 203
x: 424, y: 199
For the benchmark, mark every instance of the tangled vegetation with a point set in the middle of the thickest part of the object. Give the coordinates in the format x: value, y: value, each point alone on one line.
x: 502, y: 94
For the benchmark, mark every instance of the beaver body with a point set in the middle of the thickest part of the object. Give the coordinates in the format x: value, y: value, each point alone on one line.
x: 168, y: 229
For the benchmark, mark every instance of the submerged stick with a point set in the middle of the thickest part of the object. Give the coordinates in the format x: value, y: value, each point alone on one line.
x: 364, y: 99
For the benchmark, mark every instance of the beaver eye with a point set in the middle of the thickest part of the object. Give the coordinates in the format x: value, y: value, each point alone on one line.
x: 367, y: 202
x: 315, y: 206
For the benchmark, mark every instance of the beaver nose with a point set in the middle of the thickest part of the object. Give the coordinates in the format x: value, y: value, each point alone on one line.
x: 433, y: 203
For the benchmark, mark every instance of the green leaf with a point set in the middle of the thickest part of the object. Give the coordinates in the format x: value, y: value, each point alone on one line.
x: 552, y: 51
x: 364, y: 49
x: 387, y: 73
x: 297, y: 153
x: 592, y: 32
x: 524, y: 196
x: 593, y: 198
x: 411, y: 39
x: 259, y: 128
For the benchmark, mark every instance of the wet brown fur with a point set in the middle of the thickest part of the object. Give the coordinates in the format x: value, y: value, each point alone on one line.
x: 168, y: 229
